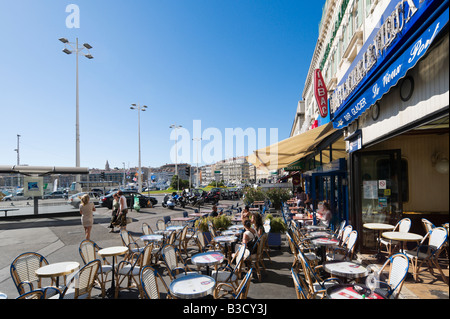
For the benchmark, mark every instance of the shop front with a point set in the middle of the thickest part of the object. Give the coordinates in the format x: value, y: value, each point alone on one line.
x: 395, y: 124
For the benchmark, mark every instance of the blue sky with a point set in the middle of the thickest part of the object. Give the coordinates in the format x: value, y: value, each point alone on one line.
x: 229, y: 63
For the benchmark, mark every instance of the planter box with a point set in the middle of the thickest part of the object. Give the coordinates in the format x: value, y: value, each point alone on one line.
x: 274, y: 240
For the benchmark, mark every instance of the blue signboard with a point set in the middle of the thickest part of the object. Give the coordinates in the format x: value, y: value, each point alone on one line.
x: 396, y: 60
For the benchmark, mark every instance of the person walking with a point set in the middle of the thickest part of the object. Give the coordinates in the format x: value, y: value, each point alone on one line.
x: 115, y: 212
x: 87, y: 210
x: 123, y: 210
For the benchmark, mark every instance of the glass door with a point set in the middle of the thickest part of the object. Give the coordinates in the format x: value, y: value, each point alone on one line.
x: 379, y: 192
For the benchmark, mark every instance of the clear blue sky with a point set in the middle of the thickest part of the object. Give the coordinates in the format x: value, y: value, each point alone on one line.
x: 229, y: 63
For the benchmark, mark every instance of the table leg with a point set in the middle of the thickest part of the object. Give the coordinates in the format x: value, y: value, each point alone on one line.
x: 111, y: 291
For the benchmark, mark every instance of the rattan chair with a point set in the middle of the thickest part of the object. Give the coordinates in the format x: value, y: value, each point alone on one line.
x: 346, y: 251
x: 175, y: 265
x: 23, y: 271
x: 129, y: 242
x: 130, y: 269
x: 80, y: 284
x: 228, y: 291
x: 300, y: 286
x: 160, y: 225
x: 316, y: 285
x: 403, y: 226
x: 149, y: 282
x: 89, y: 251
x: 146, y: 229
x: 398, y: 269
x: 33, y: 294
x: 428, y: 254
x: 256, y: 258
x: 231, y: 272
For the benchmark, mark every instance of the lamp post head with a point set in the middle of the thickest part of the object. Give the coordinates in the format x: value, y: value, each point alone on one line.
x: 64, y: 40
x: 67, y: 51
x: 87, y: 46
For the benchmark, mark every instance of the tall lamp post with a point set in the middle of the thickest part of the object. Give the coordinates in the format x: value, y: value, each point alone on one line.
x: 197, y: 139
x: 74, y: 48
x: 175, y: 126
x: 139, y: 108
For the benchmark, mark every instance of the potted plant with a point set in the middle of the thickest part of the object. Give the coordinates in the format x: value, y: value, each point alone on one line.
x: 278, y: 196
x: 221, y: 222
x: 253, y: 194
x: 277, y: 227
x: 202, y: 225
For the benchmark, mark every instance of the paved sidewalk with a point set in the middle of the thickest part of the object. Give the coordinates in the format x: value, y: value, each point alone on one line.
x: 57, y: 238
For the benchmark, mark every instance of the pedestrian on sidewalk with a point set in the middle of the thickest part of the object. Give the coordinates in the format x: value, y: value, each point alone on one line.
x: 87, y: 210
x: 115, y: 213
x: 123, y: 210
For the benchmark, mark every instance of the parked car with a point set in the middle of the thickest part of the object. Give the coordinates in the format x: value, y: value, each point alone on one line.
x: 75, y: 200
x: 144, y: 200
x: 57, y: 194
x: 17, y: 196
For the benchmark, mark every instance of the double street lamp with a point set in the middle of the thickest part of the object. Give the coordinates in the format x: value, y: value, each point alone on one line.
x: 69, y: 48
x: 139, y: 108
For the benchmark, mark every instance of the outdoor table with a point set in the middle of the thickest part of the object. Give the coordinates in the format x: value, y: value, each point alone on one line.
x: 346, y: 269
x: 236, y: 227
x: 152, y: 238
x: 323, y: 242
x: 192, y: 286
x: 254, y: 209
x: 174, y: 228
x: 352, y: 291
x: 198, y: 214
x: 113, y: 252
x: 379, y: 227
x: 57, y: 270
x: 315, y: 227
x: 402, y: 237
x: 235, y: 232
x: 3, y: 296
x: 226, y: 240
x: 209, y: 258
x: 316, y: 234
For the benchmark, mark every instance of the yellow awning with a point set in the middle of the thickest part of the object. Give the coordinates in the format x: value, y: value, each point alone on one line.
x: 281, y: 154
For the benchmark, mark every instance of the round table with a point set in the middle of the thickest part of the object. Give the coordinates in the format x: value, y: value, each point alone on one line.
x: 352, y: 291
x: 57, y: 270
x: 316, y: 234
x: 113, y: 252
x: 315, y: 227
x: 192, y: 286
x: 228, y: 239
x: 235, y: 232
x: 240, y: 226
x: 3, y: 296
x: 323, y: 242
x: 402, y: 237
x: 346, y: 269
x: 209, y: 258
x: 152, y: 238
x: 379, y: 227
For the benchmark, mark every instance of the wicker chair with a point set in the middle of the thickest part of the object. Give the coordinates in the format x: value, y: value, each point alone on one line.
x: 146, y: 229
x: 89, y: 251
x: 129, y: 242
x: 23, y: 271
x: 33, y: 294
x: 224, y: 290
x: 160, y: 225
x: 316, y: 285
x: 131, y: 269
x: 230, y: 273
x: 402, y: 226
x: 301, y: 288
x: 80, y: 284
x: 256, y: 258
x: 347, y: 250
x: 429, y: 254
x: 176, y: 267
x: 398, y: 269
x: 149, y: 282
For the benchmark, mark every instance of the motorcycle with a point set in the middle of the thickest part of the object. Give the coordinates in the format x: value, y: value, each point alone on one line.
x: 168, y: 202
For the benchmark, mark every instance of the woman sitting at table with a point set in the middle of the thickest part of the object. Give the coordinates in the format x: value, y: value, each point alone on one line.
x: 324, y: 214
x: 249, y: 237
x: 257, y: 223
x: 245, y: 214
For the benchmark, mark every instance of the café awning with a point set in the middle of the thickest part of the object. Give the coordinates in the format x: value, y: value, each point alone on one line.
x: 283, y: 153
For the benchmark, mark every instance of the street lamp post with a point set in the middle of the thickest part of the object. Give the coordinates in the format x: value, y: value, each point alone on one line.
x: 139, y: 108
x: 74, y: 48
x: 197, y: 139
x: 175, y: 126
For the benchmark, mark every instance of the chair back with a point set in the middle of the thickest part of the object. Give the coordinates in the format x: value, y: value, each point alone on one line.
x: 88, y: 250
x: 437, y: 238
x: 146, y: 229
x: 399, y: 265
x: 185, y: 214
x: 149, y: 281
x: 299, y: 284
x: 427, y: 225
x: 81, y: 282
x: 171, y: 260
x: 244, y: 286
x: 351, y: 243
x: 160, y: 224
x: 341, y: 228
x: 404, y: 225
x: 125, y: 236
x: 23, y: 271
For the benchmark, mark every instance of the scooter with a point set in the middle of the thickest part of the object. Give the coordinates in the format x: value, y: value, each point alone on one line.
x: 168, y: 202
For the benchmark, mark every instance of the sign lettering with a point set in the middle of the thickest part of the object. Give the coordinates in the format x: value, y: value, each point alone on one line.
x: 321, y: 93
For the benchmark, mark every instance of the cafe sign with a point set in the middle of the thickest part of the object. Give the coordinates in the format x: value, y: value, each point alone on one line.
x: 321, y: 93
